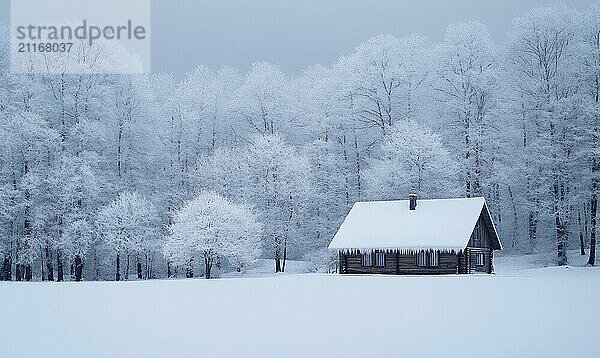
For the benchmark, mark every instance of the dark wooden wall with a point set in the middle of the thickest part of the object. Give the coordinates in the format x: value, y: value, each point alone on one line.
x: 351, y: 263
x: 470, y: 257
x: 480, y: 237
x: 398, y: 263
x: 447, y: 264
x: 480, y: 242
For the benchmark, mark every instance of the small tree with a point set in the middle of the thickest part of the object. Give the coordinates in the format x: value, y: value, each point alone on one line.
x: 126, y: 226
x: 211, y: 227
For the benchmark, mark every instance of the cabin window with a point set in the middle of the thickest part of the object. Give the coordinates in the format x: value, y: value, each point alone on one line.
x: 380, y: 259
x: 422, y: 259
x: 367, y: 259
x: 434, y: 259
x: 479, y: 259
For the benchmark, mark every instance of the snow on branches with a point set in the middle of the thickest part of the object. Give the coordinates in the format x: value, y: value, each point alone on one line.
x: 212, y: 228
x: 128, y: 225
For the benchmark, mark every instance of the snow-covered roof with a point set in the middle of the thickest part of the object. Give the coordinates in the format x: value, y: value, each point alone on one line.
x: 444, y: 224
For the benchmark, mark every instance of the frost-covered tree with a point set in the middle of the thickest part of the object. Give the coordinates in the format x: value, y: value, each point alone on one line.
x: 413, y: 160
x: 220, y: 107
x: 24, y: 153
x: 383, y: 75
x: 326, y: 108
x: 72, y: 202
x: 465, y: 76
x: 273, y: 177
x: 329, y: 202
x: 278, y: 187
x: 545, y: 81
x: 590, y: 128
x: 128, y: 226
x: 212, y: 228
x: 194, y: 118
x: 262, y: 99
x: 75, y: 242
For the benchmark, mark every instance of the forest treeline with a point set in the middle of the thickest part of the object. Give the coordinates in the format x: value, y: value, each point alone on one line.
x: 107, y: 176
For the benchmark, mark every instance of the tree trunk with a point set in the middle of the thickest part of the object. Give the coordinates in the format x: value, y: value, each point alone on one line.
x: 127, y: 269
x: 42, y: 265
x: 49, y: 266
x: 358, y: 168
x: 532, y: 220
x: 515, y: 215
x: 342, y: 142
x: 277, y: 261
x: 6, y: 274
x: 59, y: 267
x: 560, y: 227
x: 476, y: 190
x: 96, y: 267
x: 18, y: 272
x: 581, y: 231
x: 561, y: 244
x: 189, y: 270
x: 118, y: 274
x: 78, y: 268
x: 595, y: 170
x: 148, y: 272
x: 593, y: 212
x: 207, y: 267
x: 28, y: 273
x: 139, y: 268
x: 284, y: 255
x: 532, y: 232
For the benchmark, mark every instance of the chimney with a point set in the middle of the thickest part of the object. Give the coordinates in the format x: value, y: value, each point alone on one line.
x: 413, y: 201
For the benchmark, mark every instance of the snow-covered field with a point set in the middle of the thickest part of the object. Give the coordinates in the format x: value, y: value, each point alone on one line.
x: 520, y: 312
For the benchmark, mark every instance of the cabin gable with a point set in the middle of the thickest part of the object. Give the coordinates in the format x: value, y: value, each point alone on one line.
x: 480, y: 237
x: 484, y: 234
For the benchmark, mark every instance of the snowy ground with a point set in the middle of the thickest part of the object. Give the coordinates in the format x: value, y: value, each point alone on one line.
x: 520, y: 312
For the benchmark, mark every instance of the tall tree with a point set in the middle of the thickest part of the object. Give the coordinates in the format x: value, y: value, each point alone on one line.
x: 464, y: 88
x: 590, y: 39
x: 541, y: 54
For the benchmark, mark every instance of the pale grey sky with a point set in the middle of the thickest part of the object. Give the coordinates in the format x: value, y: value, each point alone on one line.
x: 299, y: 33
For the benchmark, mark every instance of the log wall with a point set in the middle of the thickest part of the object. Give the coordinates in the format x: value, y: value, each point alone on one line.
x: 398, y: 263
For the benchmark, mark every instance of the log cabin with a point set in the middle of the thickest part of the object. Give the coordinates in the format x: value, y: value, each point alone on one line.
x: 424, y: 237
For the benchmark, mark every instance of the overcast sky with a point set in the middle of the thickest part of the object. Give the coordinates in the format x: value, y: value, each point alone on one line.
x: 299, y: 33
